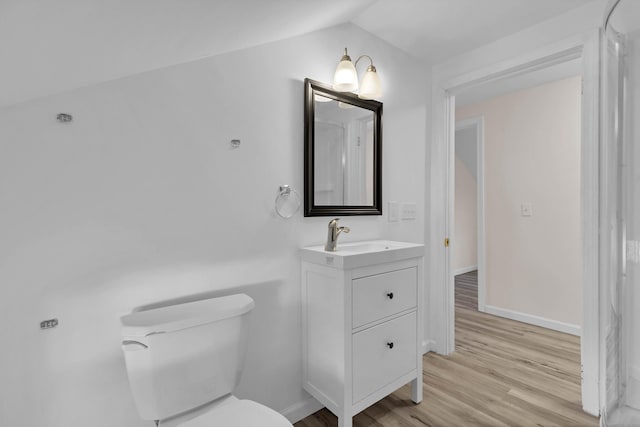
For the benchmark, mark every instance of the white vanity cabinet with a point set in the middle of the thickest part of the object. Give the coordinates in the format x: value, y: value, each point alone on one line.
x: 362, y: 325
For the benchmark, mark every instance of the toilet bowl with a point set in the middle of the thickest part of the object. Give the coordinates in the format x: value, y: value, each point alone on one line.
x: 230, y: 412
x: 183, y: 362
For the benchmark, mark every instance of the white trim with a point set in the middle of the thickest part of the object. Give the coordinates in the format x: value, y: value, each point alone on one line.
x: 547, y: 56
x: 302, y: 410
x: 465, y: 270
x: 450, y: 199
x: 428, y: 345
x: 443, y: 104
x: 567, y: 328
x: 590, y: 195
x: 482, y: 236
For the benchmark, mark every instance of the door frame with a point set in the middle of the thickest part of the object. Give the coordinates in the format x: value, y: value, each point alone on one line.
x: 443, y: 96
x: 478, y: 124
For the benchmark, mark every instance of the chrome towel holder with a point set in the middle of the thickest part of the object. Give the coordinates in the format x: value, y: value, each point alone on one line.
x: 287, y: 202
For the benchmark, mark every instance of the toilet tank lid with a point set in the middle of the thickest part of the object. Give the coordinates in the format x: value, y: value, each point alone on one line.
x: 181, y: 316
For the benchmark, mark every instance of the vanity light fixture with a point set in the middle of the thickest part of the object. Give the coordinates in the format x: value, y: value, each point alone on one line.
x: 345, y: 78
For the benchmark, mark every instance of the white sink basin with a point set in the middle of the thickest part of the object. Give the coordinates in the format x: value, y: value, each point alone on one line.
x: 361, y: 254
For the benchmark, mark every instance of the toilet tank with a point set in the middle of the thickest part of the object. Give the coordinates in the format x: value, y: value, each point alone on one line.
x: 182, y: 356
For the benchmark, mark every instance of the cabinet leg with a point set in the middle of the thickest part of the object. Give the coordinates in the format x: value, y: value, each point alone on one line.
x: 345, y: 421
x: 416, y: 390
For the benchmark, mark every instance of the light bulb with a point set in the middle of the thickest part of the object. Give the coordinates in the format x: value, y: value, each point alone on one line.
x: 345, y: 78
x: 371, y: 87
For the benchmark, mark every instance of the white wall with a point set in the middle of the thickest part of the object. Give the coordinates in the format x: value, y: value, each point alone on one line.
x: 532, y: 156
x: 579, y: 24
x: 465, y: 242
x: 141, y: 200
x: 578, y: 21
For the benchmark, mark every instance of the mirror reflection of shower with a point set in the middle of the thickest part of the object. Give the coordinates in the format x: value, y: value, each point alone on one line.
x: 329, y: 179
x: 343, y: 155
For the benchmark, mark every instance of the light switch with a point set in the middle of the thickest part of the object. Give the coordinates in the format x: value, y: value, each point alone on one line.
x: 394, y: 212
x: 408, y: 210
x: 526, y: 209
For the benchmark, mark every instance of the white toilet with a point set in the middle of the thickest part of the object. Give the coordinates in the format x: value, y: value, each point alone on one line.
x: 185, y: 360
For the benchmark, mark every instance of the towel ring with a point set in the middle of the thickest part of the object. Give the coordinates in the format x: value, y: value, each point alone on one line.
x: 287, y: 202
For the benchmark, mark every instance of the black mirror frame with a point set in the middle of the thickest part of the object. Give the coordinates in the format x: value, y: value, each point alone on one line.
x: 312, y: 87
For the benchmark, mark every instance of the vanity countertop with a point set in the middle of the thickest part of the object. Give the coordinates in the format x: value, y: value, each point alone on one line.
x: 362, y: 254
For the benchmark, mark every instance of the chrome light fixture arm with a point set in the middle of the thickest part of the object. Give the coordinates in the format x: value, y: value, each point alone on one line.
x: 371, y: 67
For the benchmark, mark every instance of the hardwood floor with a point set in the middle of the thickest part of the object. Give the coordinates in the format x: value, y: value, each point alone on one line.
x: 503, y: 373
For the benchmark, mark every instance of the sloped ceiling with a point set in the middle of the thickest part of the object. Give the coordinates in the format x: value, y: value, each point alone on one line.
x: 51, y: 46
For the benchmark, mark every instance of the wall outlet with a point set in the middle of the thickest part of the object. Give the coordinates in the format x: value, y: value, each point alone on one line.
x: 408, y: 210
x: 526, y: 209
x: 394, y: 212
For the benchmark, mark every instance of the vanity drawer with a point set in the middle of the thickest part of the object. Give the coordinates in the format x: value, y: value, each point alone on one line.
x: 382, y: 354
x: 382, y: 295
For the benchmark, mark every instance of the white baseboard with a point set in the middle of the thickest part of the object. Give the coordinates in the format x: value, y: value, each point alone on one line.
x: 465, y: 270
x: 301, y: 410
x: 428, y: 345
x: 567, y: 328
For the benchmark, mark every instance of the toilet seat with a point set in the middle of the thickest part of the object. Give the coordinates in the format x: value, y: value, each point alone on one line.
x: 238, y: 413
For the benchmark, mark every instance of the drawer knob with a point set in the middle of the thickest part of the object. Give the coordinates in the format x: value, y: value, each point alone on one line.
x: 390, y: 344
x: 390, y: 295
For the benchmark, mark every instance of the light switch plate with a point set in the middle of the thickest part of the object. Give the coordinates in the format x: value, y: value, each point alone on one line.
x: 633, y: 251
x: 408, y: 210
x: 394, y: 212
x: 526, y: 209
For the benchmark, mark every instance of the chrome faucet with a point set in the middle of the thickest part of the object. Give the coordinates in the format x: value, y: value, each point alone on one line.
x: 332, y: 235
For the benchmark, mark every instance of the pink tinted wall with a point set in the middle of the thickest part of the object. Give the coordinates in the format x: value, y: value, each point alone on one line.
x: 532, y: 157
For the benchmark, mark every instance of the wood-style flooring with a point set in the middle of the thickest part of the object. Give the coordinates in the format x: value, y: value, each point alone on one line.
x: 502, y: 373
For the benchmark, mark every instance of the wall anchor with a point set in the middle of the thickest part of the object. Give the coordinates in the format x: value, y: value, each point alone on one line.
x: 64, y: 117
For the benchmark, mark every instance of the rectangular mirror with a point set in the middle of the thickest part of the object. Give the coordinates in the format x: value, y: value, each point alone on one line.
x: 342, y: 153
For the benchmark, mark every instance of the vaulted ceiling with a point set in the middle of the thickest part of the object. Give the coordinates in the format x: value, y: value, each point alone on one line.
x: 47, y: 47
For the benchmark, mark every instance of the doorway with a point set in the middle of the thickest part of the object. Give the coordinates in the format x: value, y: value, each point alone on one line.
x: 444, y: 98
x: 532, y: 250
